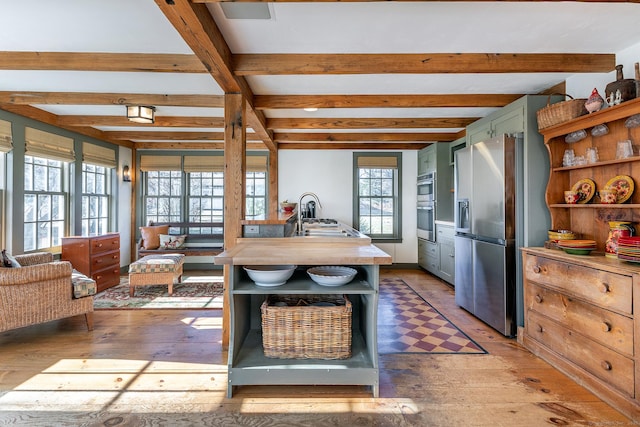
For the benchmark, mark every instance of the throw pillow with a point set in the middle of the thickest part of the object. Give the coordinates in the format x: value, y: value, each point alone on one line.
x: 168, y: 241
x: 151, y: 235
x: 8, y: 261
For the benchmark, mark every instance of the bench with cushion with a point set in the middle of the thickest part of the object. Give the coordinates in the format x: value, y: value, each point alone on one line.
x: 186, y: 238
x: 38, y: 289
x: 159, y: 269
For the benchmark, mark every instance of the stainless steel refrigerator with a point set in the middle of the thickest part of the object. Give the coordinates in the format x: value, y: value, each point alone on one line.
x: 488, y: 191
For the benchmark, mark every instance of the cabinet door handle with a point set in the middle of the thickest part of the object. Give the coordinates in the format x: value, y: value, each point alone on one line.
x: 539, y: 299
x: 540, y: 329
x: 606, y: 327
x: 537, y: 269
x: 604, y: 288
x: 606, y: 365
x: 99, y: 245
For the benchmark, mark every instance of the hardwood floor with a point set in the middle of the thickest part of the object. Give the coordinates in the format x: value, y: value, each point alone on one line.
x: 167, y: 368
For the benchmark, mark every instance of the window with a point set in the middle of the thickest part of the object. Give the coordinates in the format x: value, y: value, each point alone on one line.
x: 45, y: 188
x: 256, y: 195
x: 203, y: 176
x: 97, y: 169
x: 206, y: 196
x: 95, y: 200
x: 44, y: 203
x: 377, y: 196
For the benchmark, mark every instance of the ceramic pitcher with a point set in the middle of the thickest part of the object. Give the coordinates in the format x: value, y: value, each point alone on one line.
x: 617, y: 229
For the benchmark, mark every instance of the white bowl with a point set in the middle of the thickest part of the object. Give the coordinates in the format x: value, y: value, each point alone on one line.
x: 332, y: 275
x: 270, y: 275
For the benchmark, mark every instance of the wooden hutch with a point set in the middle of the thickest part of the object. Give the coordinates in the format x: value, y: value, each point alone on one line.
x: 582, y: 312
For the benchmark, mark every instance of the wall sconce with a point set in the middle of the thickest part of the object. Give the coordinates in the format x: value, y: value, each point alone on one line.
x: 126, y: 175
x: 141, y: 113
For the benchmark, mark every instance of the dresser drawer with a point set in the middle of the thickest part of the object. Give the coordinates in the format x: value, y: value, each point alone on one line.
x: 107, y: 278
x: 105, y: 244
x: 594, y: 358
x: 611, y: 329
x: 609, y: 290
x: 109, y: 259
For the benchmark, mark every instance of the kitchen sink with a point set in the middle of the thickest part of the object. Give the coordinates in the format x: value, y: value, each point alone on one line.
x: 325, y: 229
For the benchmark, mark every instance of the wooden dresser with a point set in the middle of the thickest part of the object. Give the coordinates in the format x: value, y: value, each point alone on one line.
x: 580, y: 317
x: 95, y: 256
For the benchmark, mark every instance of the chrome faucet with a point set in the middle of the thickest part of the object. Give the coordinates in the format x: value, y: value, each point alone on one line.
x: 300, y: 208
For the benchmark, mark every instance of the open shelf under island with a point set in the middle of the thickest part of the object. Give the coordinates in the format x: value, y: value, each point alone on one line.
x: 247, y: 364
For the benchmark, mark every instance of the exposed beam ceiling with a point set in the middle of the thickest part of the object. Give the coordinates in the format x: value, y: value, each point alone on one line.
x: 368, y: 94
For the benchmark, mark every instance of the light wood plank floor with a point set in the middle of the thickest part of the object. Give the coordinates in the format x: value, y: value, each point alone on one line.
x: 167, y: 368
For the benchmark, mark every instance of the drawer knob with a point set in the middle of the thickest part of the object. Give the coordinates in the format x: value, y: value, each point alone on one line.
x: 604, y: 288
x: 537, y: 269
x: 606, y: 365
x: 539, y: 299
x: 99, y: 245
x: 606, y: 327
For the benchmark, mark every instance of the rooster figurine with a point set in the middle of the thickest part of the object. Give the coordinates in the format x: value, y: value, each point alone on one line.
x: 594, y: 102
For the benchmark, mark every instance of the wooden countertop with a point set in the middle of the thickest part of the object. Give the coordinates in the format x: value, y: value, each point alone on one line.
x: 302, y: 251
x: 283, y: 218
x: 594, y: 260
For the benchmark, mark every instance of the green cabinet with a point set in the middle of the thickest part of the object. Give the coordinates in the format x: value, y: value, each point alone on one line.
x: 427, y: 160
x: 510, y: 119
x: 435, y: 159
x: 445, y: 234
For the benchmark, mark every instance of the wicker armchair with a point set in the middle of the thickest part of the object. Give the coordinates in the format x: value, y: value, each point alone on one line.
x: 39, y: 291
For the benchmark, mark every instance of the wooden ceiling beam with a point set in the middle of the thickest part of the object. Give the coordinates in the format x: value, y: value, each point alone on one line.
x: 171, y: 136
x: 421, y: 63
x: 369, y: 123
x: 160, y: 121
x: 265, y: 102
x: 99, y: 61
x: 90, y: 98
x: 196, y: 26
x: 52, y: 119
x: 420, y: 137
x: 353, y: 146
x: 148, y: 145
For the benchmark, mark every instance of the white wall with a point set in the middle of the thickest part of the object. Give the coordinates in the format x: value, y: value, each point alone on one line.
x: 329, y: 174
x: 581, y: 85
x: 124, y: 207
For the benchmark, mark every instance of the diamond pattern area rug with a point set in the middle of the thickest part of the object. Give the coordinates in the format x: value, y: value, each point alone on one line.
x: 194, y: 292
x: 409, y: 324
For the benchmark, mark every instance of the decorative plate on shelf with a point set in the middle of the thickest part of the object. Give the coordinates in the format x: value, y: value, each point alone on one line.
x: 624, y: 186
x: 585, y: 188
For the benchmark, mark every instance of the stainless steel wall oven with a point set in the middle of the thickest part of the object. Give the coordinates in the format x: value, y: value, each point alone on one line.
x: 427, y: 221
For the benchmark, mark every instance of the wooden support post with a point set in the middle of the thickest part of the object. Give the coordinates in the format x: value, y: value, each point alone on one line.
x: 235, y: 143
x: 273, y: 206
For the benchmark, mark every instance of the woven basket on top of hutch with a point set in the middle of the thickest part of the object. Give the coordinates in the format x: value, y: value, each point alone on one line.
x: 580, y: 312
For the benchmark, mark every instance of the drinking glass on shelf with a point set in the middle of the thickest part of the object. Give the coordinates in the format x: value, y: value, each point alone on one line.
x: 569, y: 157
x: 592, y: 155
x: 624, y: 149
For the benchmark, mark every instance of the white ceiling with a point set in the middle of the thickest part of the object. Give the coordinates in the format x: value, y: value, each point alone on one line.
x: 139, y: 26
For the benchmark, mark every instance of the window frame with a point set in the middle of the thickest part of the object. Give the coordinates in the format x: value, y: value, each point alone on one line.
x: 105, y: 197
x: 39, y: 194
x: 396, y: 235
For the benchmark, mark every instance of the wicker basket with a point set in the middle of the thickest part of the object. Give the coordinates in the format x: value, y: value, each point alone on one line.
x: 301, y: 330
x: 560, y: 112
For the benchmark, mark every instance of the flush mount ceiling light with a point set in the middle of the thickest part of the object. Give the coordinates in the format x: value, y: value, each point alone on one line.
x: 141, y: 113
x: 310, y: 109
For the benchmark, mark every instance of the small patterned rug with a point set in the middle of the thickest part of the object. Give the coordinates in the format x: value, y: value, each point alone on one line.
x: 194, y: 292
x: 409, y: 324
